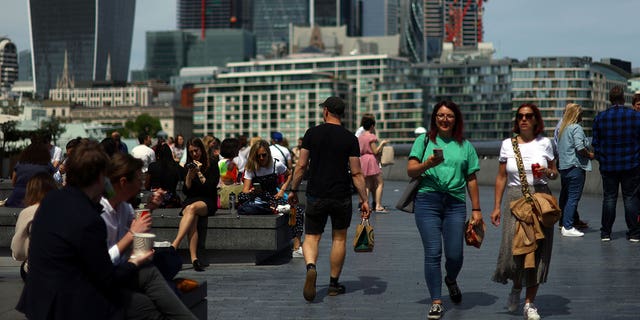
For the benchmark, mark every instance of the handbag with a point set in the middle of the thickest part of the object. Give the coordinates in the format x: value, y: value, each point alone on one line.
x: 224, y: 191
x: 364, y: 239
x: 544, y: 205
x: 408, y: 197
x: 388, y: 154
x: 255, y: 207
x: 474, y: 233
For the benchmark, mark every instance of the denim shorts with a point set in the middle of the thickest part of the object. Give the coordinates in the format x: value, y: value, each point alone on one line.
x: 320, y: 209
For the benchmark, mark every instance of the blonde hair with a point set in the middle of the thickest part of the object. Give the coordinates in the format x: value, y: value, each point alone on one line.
x: 571, y: 115
x: 252, y: 160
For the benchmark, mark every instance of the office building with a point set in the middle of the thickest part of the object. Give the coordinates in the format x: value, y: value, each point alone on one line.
x: 379, y: 17
x: 271, y: 21
x: 256, y: 98
x: 210, y: 14
x: 92, y: 33
x: 8, y: 64
x: 169, y: 51
x: 335, y: 13
x: 412, y: 38
x: 25, y: 68
x: 553, y: 82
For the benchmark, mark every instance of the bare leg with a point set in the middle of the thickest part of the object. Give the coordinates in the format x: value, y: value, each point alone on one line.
x: 379, y: 187
x: 370, y: 183
x: 310, y: 248
x: 296, y: 243
x: 338, y: 252
x: 188, y: 226
x: 188, y: 219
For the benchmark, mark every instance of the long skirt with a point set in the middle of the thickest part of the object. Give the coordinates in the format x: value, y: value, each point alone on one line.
x: 510, y: 267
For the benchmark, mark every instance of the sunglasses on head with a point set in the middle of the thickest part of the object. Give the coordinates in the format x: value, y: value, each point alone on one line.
x: 528, y: 116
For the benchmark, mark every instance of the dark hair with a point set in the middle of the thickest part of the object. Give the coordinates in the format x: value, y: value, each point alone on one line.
x: 164, y: 156
x: 37, y: 187
x: 35, y: 153
x: 109, y: 146
x: 85, y: 164
x: 229, y: 148
x: 142, y: 137
x: 636, y: 98
x: 616, y: 95
x: 539, y: 128
x: 367, y: 123
x: 175, y: 141
x: 458, y: 126
x: 73, y: 143
x: 123, y: 165
x: 365, y: 116
x: 204, y: 158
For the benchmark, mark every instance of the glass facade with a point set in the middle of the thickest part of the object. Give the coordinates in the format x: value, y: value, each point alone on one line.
x: 271, y: 22
x: 379, y: 18
x: 217, y: 14
x: 90, y: 32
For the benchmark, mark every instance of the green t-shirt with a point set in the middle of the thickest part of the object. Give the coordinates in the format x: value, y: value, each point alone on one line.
x: 460, y: 161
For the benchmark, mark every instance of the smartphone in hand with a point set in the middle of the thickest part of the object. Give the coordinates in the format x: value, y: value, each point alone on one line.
x: 438, y: 153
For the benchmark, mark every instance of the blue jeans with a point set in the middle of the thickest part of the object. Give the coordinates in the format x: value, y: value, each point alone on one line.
x: 440, y: 219
x: 628, y: 180
x: 572, y: 180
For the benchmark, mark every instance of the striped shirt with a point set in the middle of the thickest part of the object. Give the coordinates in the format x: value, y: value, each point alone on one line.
x: 616, y: 138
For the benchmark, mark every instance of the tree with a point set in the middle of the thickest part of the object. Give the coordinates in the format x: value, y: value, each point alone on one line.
x: 143, y: 123
x: 9, y: 134
x: 53, y: 127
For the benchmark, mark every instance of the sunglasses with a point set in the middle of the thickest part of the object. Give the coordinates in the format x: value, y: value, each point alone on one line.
x: 262, y: 155
x: 528, y: 116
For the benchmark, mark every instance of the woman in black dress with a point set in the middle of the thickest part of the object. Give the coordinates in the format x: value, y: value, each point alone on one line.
x: 200, y: 187
x: 165, y: 174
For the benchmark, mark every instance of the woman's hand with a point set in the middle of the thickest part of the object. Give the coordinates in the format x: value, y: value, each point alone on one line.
x: 476, y: 217
x: 495, y: 217
x: 433, y: 161
x: 280, y: 194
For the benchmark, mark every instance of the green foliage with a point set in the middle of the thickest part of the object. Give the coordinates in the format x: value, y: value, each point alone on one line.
x: 143, y: 123
x: 52, y: 127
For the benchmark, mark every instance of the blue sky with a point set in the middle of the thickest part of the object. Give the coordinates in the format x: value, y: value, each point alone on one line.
x: 517, y: 28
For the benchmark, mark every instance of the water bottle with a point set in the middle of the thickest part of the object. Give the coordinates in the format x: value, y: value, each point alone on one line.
x: 232, y: 203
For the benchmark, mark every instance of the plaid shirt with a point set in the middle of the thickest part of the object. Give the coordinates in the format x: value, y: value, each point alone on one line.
x: 616, y: 138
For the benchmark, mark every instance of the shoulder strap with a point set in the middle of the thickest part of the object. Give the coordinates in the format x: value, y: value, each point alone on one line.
x: 426, y: 142
x: 523, y: 176
x: 282, y: 153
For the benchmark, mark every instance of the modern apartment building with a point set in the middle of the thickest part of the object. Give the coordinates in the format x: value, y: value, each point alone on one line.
x: 256, y: 98
x: 8, y: 64
x: 553, y: 82
x: 92, y: 33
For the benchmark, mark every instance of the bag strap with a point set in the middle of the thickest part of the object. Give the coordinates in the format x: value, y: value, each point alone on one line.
x: 283, y: 156
x: 426, y: 142
x: 523, y: 175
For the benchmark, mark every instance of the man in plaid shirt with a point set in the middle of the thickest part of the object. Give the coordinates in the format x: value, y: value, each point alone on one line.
x: 616, y: 140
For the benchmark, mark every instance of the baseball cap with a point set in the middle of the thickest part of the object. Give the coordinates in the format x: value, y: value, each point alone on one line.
x: 335, y: 105
x: 276, y: 136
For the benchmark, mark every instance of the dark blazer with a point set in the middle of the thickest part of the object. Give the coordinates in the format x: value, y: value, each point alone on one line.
x: 70, y: 273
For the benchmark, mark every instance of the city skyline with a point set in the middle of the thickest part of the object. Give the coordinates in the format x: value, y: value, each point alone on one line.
x: 550, y: 28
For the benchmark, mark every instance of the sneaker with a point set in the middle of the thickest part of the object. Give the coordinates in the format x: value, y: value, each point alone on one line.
x: 634, y: 240
x: 297, y: 253
x: 573, y: 232
x: 605, y: 238
x: 436, y: 311
x: 309, y: 291
x: 454, y: 291
x: 513, y: 302
x: 337, y: 289
x: 530, y: 312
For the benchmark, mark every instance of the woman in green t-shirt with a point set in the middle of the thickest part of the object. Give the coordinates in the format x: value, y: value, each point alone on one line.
x: 448, y: 163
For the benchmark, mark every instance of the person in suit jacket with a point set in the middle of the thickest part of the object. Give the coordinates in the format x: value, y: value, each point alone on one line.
x: 70, y: 272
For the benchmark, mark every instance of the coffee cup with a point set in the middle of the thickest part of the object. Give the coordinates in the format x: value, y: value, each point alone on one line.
x: 141, y: 212
x: 142, y: 242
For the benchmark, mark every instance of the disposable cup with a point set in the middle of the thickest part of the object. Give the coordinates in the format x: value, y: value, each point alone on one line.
x: 142, y: 242
x: 142, y: 212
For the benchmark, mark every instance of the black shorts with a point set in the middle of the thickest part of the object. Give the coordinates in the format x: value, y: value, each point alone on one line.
x: 318, y: 211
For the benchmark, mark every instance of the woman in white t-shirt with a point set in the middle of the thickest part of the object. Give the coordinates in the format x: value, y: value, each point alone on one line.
x: 262, y: 171
x: 534, y: 149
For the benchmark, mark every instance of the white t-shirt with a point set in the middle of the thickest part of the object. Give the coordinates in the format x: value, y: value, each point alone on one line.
x: 277, y: 152
x: 117, y: 221
x: 281, y: 168
x: 540, y: 151
x: 56, y: 154
x: 359, y: 132
x: 144, y: 153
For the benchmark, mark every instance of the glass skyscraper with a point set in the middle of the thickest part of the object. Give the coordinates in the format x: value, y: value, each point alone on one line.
x: 90, y: 32
x: 271, y: 22
x: 215, y: 14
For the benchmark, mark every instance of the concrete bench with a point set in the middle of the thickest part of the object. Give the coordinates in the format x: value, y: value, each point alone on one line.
x: 224, y: 237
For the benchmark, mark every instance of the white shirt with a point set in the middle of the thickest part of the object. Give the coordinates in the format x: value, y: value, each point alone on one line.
x: 144, y: 153
x: 539, y: 150
x: 117, y: 221
x: 281, y: 168
x: 277, y: 152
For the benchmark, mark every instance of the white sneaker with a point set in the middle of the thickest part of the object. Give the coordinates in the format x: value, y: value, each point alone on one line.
x: 573, y: 232
x: 530, y: 312
x: 297, y: 253
x: 514, y: 300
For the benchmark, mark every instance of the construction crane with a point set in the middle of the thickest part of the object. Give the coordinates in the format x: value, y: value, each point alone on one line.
x: 456, y: 14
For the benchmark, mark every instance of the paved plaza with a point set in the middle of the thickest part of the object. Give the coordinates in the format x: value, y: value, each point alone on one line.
x: 587, y: 280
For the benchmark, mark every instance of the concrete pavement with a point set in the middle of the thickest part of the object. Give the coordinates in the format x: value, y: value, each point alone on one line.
x: 587, y: 280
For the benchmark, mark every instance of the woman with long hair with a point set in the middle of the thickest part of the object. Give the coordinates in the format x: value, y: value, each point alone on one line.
x: 200, y: 188
x: 37, y: 187
x: 574, y: 160
x: 33, y: 159
x: 165, y: 174
x: 534, y: 149
x: 370, y: 149
x: 177, y: 148
x: 263, y: 170
x: 448, y: 164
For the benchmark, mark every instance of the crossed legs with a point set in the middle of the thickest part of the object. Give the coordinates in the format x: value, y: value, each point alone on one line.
x: 189, y: 227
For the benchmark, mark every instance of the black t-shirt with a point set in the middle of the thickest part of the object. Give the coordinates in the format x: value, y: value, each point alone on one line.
x: 330, y: 147
x: 166, y: 178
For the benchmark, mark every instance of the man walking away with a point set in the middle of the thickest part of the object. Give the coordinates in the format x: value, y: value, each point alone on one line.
x: 332, y: 156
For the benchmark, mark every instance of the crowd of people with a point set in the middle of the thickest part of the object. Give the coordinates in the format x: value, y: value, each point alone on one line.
x: 65, y: 252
